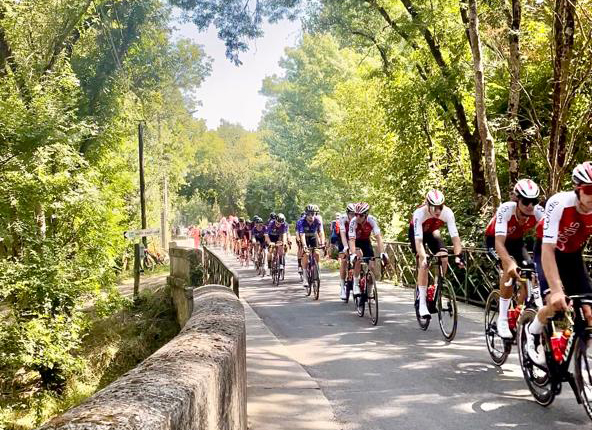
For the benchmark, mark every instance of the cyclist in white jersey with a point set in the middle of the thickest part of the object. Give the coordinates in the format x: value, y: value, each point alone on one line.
x: 343, y: 246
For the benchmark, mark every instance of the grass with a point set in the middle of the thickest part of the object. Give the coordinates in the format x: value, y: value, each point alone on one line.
x: 329, y: 264
x: 117, y: 340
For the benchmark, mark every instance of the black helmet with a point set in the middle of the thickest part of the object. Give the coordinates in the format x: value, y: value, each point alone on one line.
x: 281, y: 218
x: 257, y: 219
x: 241, y: 219
x: 272, y: 215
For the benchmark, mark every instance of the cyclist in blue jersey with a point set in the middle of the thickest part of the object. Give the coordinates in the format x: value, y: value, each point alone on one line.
x: 277, y: 232
x: 258, y: 239
x: 311, y: 234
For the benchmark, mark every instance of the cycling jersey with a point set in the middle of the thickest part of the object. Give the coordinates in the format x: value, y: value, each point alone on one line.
x: 505, y: 223
x: 275, y: 230
x: 258, y: 234
x: 563, y: 225
x: 424, y: 222
x: 309, y: 229
x: 343, y: 224
x: 243, y: 232
x: 362, y: 231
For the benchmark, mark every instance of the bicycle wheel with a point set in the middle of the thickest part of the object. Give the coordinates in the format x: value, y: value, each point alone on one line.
x: 316, y: 283
x: 537, y: 379
x: 372, y: 293
x: 283, y: 271
x: 447, y: 311
x: 583, y: 375
x: 149, y: 263
x: 348, y: 288
x: 498, y: 348
x: 424, y: 323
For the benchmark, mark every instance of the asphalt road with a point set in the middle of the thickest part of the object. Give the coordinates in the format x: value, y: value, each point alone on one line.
x: 395, y: 376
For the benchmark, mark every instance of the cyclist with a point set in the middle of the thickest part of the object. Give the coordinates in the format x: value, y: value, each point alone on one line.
x: 360, y: 245
x: 298, y: 242
x: 425, y: 229
x: 343, y: 246
x: 310, y: 230
x: 277, y: 232
x: 504, y: 239
x: 561, y: 237
x: 258, y: 238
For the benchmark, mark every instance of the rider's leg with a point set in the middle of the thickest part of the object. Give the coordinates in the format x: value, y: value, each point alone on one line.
x: 304, y: 269
x: 357, y: 270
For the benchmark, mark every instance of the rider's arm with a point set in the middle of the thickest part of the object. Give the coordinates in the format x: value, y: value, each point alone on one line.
x: 342, y: 233
x: 456, y: 245
x: 321, y: 233
x: 502, y: 216
x: 550, y: 268
x: 452, y: 230
x: 552, y: 218
x: 418, y: 219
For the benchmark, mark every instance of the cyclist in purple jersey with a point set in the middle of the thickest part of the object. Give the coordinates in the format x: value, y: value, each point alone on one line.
x: 277, y: 232
x: 258, y: 238
x: 311, y: 234
x: 298, y: 243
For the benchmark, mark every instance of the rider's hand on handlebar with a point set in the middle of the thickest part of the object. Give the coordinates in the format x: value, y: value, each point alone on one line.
x: 512, y: 270
x: 459, y: 261
x: 352, y: 258
x: 558, y: 301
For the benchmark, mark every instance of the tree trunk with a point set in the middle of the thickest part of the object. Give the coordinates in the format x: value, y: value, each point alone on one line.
x: 563, y: 35
x: 514, y: 65
x: 482, y: 124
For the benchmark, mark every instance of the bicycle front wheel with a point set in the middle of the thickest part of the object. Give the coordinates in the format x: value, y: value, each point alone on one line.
x: 498, y: 348
x: 316, y: 283
x: 583, y: 375
x: 372, y: 293
x: 447, y: 311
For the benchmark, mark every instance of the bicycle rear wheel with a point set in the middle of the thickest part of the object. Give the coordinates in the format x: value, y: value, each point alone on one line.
x: 447, y: 311
x: 537, y: 379
x: 316, y: 283
x: 583, y: 375
x: 498, y: 348
x: 372, y: 293
x: 424, y: 323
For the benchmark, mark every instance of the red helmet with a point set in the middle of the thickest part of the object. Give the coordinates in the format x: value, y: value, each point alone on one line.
x: 362, y: 208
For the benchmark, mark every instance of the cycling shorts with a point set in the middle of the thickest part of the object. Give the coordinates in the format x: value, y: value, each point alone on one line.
x: 433, y: 240
x: 572, y: 271
x: 273, y: 238
x: 365, y: 245
x: 311, y: 241
x: 515, y: 247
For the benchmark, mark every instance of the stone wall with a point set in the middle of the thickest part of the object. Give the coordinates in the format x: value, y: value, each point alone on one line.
x: 183, y: 261
x: 196, y: 381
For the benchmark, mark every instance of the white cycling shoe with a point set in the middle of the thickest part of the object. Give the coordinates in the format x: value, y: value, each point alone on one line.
x: 503, y: 329
x: 535, y: 352
x: 343, y: 292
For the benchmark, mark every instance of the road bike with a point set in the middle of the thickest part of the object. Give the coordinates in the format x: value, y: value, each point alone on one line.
x: 440, y: 298
x: 564, y: 337
x: 312, y: 272
x: 368, y: 290
x: 260, y: 260
x: 244, y: 252
x: 277, y: 263
x: 498, y: 347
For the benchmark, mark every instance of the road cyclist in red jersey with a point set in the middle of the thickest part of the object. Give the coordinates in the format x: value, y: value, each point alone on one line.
x: 424, y: 229
x: 504, y: 238
x: 561, y: 237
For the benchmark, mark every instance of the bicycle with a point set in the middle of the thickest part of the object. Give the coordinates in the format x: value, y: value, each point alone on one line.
x: 260, y: 261
x: 498, y: 347
x: 544, y: 382
x: 312, y: 272
x: 244, y: 253
x: 440, y: 299
x: 277, y: 264
x: 368, y: 290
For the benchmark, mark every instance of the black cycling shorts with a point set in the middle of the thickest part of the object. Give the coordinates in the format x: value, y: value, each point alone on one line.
x: 572, y: 271
x: 311, y: 241
x: 515, y: 247
x: 433, y: 240
x: 260, y: 240
x: 366, y: 247
x: 273, y: 238
x: 340, y: 244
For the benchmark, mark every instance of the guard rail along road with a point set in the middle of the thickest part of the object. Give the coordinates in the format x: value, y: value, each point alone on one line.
x: 197, y: 380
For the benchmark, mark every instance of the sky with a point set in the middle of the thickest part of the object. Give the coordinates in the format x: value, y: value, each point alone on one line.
x: 232, y: 92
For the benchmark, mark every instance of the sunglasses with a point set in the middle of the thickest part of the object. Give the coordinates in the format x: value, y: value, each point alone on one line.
x: 586, y: 190
x: 310, y: 213
x: 528, y: 202
x: 438, y: 207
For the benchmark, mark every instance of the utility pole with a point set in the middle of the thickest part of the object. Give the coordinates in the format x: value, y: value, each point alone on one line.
x: 142, y: 182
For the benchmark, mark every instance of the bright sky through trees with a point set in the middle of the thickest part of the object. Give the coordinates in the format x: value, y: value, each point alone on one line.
x: 230, y: 92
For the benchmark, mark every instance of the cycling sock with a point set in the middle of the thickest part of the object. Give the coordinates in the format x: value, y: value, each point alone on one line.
x: 535, y: 327
x: 357, y: 280
x: 503, y: 310
x: 423, y: 292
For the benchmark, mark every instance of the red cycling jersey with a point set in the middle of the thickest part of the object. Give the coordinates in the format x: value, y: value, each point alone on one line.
x: 563, y: 225
x: 364, y: 230
x: 505, y: 223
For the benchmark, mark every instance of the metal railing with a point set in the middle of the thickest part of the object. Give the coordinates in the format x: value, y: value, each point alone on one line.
x: 472, y: 284
x: 217, y: 273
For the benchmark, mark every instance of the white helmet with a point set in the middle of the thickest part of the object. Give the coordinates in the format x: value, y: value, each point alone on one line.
x: 526, y: 188
x: 582, y: 174
x: 434, y: 198
x: 351, y: 207
x: 362, y: 208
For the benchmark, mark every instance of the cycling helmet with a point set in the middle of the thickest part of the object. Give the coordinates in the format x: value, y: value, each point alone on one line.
x: 241, y: 219
x: 302, y: 214
x: 309, y: 208
x: 249, y: 221
x: 337, y: 215
x: 316, y: 208
x: 272, y: 215
x: 526, y: 188
x: 257, y: 219
x: 362, y: 208
x: 434, y: 198
x: 582, y: 174
x: 281, y: 217
x: 351, y: 207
